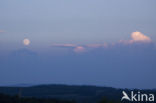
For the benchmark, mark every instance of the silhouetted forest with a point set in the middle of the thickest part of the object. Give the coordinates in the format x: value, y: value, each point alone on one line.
x: 16, y: 99
x: 64, y: 94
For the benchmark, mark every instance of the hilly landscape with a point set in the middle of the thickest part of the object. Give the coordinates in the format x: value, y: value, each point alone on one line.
x: 74, y: 93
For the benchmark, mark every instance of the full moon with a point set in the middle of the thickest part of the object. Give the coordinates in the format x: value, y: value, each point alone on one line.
x: 26, y: 41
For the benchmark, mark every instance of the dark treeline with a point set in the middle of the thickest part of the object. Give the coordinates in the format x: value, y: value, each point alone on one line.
x: 17, y: 99
x: 78, y: 94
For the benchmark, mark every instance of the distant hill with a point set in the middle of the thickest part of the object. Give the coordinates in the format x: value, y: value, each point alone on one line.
x: 81, y: 94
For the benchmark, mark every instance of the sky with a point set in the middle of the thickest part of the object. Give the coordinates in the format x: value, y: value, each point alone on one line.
x: 84, y: 42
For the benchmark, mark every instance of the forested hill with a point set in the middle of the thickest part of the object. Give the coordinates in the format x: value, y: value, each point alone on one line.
x: 81, y: 94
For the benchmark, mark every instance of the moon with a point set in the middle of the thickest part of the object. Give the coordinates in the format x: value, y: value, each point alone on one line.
x: 26, y: 41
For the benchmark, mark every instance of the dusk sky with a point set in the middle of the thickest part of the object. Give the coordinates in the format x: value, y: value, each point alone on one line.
x: 85, y: 42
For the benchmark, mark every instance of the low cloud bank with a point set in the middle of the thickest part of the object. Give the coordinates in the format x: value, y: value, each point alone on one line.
x: 136, y: 37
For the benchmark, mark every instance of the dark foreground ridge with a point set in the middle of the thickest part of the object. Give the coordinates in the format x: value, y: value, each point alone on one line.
x: 65, y: 94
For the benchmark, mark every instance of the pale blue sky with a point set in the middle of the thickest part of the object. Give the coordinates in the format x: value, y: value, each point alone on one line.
x: 71, y: 25
x: 75, y: 21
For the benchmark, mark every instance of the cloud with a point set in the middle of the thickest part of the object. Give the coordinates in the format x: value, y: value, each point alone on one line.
x: 74, y: 47
x: 136, y: 37
x: 79, y: 49
x: 64, y: 45
x: 139, y: 37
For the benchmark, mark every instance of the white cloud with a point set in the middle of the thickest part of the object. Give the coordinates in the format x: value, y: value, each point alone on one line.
x: 137, y: 37
x: 140, y: 37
